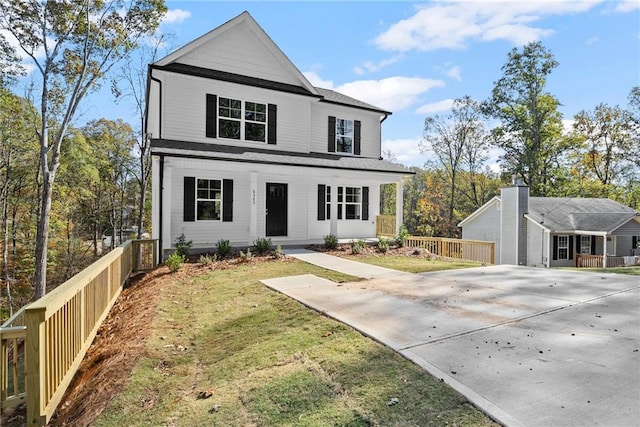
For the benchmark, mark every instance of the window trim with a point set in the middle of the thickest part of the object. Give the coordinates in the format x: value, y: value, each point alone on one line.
x: 343, y: 203
x: 333, y: 135
x: 346, y: 124
x: 213, y: 118
x: 198, y: 199
x: 243, y: 120
x: 561, y: 247
x: 584, y: 238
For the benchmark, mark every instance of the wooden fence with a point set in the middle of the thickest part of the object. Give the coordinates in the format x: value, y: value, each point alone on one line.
x: 469, y: 250
x: 596, y: 261
x: 386, y: 226
x: 44, y: 343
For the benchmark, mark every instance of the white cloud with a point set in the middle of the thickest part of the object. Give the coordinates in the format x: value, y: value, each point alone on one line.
x: 406, y: 151
x: 392, y: 93
x: 317, y: 81
x: 176, y: 16
x: 435, y: 107
x: 454, y: 72
x: 371, y: 67
x: 627, y: 6
x: 452, y: 24
x: 592, y: 40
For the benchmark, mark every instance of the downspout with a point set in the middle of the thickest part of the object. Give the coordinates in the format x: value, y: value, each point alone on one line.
x: 380, y: 142
x: 161, y: 179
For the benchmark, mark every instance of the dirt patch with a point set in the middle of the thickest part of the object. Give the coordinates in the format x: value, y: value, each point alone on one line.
x: 372, y: 250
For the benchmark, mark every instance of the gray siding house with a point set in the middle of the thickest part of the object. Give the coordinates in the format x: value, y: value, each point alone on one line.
x: 243, y: 146
x: 556, y: 231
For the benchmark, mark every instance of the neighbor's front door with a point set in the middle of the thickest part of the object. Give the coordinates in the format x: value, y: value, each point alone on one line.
x: 276, y: 209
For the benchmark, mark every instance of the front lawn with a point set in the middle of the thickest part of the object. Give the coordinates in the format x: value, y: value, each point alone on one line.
x: 413, y: 264
x: 225, y: 350
x: 634, y: 271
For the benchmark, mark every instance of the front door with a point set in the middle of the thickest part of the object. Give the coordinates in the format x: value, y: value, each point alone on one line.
x: 276, y: 209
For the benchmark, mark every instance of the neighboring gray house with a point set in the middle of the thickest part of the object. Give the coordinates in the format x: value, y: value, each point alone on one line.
x: 555, y: 231
x: 244, y: 147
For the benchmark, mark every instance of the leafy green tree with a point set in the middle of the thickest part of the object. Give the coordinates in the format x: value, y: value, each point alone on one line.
x: 530, y: 130
x: 72, y: 45
x: 457, y: 139
x: 606, y: 140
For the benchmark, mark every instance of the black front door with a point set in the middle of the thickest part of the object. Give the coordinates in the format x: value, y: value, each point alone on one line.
x: 276, y: 209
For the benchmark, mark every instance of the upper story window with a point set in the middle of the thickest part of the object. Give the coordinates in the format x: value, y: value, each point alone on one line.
x: 344, y: 136
x: 230, y: 118
x: 233, y: 124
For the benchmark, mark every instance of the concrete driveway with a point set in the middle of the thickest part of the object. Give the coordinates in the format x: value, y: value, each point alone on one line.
x: 529, y: 346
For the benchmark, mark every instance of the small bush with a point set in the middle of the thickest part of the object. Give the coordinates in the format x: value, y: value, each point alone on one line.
x: 174, y: 262
x: 278, y: 252
x: 246, y: 256
x: 223, y: 248
x: 403, y: 235
x: 383, y: 245
x: 207, y: 259
x: 262, y: 245
x: 417, y: 251
x: 182, y: 246
x: 357, y: 246
x: 331, y: 241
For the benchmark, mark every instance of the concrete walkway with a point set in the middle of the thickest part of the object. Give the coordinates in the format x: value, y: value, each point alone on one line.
x: 529, y: 346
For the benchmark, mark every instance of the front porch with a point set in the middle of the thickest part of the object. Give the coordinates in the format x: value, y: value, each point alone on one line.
x: 605, y: 261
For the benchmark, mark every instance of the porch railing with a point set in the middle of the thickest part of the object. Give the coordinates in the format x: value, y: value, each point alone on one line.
x: 469, y: 250
x: 43, y: 344
x: 597, y: 261
x: 386, y: 226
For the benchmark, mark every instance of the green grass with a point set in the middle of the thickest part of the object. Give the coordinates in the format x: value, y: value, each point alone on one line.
x: 634, y: 271
x: 270, y: 361
x: 413, y: 264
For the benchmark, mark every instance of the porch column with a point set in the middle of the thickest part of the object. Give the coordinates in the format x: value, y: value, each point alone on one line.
x: 604, y: 251
x: 166, y: 207
x: 334, y: 209
x: 253, y: 210
x: 399, y: 204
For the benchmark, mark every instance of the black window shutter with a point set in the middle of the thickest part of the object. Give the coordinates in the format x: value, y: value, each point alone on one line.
x: 212, y: 116
x: 593, y: 245
x: 578, y: 244
x: 227, y: 200
x: 322, y: 191
x: 365, y: 203
x: 331, y: 142
x: 272, y: 122
x: 340, y: 201
x: 555, y: 247
x: 189, y: 211
x: 356, y: 137
x: 571, y: 238
x: 634, y: 242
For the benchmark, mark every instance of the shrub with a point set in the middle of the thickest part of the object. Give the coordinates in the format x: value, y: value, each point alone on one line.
x: 183, y: 246
x: 207, y: 259
x: 383, y: 245
x: 403, y: 235
x: 331, y: 241
x: 279, y: 253
x: 357, y: 246
x: 223, y: 248
x: 246, y: 256
x: 174, y: 262
x: 262, y: 245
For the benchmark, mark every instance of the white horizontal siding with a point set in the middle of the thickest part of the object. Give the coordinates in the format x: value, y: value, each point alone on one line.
x: 302, y: 184
x: 370, y: 127
x: 184, y: 111
x: 485, y: 227
x: 240, y: 51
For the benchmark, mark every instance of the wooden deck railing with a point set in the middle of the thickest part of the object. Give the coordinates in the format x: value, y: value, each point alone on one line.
x: 469, y: 250
x: 46, y: 341
x: 386, y: 226
x: 596, y: 261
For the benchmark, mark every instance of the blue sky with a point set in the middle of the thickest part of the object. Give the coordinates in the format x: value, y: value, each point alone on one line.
x: 414, y: 58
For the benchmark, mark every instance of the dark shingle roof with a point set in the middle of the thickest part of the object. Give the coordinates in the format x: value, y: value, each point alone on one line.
x: 266, y: 156
x: 572, y: 214
x: 338, y: 98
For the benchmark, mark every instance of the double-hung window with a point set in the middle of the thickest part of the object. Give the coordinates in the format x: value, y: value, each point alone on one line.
x: 208, y: 199
x: 585, y: 245
x: 349, y: 202
x: 344, y: 136
x: 242, y: 120
x: 563, y: 247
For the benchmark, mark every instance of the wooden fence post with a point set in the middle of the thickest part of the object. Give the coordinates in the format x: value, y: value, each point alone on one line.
x: 35, y: 361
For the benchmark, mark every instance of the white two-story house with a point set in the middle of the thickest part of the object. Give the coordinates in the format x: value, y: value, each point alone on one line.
x: 243, y: 146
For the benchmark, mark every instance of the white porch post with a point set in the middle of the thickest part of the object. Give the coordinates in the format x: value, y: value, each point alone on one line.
x: 334, y: 210
x: 604, y: 251
x: 253, y: 211
x: 399, y: 204
x: 166, y: 207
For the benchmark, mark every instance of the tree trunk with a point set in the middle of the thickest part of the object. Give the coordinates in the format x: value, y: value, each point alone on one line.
x: 42, y: 236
